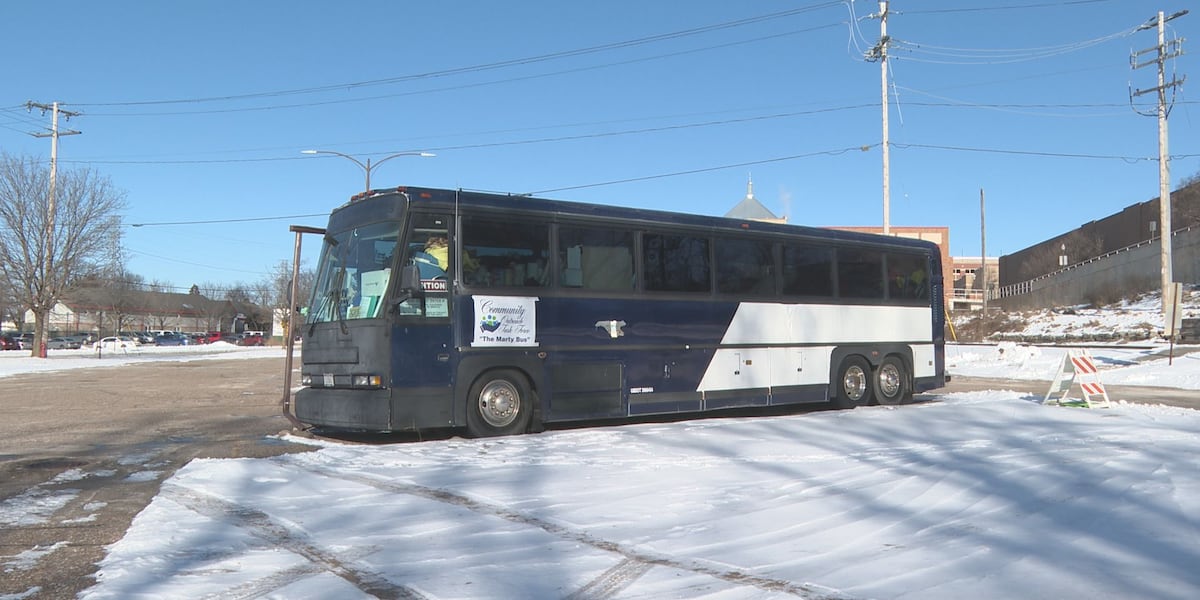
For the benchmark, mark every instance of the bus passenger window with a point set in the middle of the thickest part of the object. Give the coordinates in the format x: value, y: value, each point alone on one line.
x: 595, y: 259
x: 860, y: 273
x: 676, y: 263
x: 807, y: 271
x: 505, y: 253
x: 908, y: 276
x: 745, y: 267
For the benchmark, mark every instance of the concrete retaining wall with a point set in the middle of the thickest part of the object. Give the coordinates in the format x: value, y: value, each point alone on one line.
x: 1134, y: 269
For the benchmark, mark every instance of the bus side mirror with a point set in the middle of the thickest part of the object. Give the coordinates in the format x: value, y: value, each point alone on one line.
x: 410, y: 285
x: 410, y: 279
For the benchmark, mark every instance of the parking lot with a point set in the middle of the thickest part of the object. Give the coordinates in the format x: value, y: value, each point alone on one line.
x: 111, y: 436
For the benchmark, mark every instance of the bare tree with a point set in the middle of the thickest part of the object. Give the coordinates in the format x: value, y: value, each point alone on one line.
x: 1185, y: 203
x: 119, y: 294
x: 39, y: 262
x: 279, y: 281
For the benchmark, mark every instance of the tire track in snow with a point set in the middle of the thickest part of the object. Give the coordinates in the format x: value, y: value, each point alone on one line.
x: 612, y: 581
x: 632, y: 555
x: 260, y: 525
x: 263, y: 586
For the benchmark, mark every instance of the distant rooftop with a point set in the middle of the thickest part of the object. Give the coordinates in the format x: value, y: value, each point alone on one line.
x: 751, y: 209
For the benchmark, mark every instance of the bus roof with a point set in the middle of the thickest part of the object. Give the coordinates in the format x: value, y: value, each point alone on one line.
x: 511, y: 203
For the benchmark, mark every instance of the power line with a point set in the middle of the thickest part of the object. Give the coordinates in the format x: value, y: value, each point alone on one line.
x: 706, y: 169
x: 472, y: 85
x: 606, y: 134
x: 245, y: 220
x: 1029, y: 152
x: 194, y: 264
x: 1008, y: 7
x: 996, y: 56
x: 485, y: 66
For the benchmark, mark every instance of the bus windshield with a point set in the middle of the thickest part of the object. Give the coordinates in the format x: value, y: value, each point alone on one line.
x: 355, y: 268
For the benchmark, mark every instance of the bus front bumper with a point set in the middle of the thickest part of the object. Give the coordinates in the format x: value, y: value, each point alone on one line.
x: 369, y: 410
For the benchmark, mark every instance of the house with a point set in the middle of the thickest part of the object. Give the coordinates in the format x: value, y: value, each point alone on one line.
x: 108, y: 309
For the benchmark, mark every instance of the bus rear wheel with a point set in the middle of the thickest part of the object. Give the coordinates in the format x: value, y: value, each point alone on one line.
x: 500, y: 403
x: 853, y: 385
x: 891, y: 382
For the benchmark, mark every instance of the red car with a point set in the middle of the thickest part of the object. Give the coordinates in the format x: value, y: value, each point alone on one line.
x: 249, y: 339
x: 8, y: 342
x: 210, y: 337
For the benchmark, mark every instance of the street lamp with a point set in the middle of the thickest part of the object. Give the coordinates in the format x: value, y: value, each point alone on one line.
x: 368, y: 166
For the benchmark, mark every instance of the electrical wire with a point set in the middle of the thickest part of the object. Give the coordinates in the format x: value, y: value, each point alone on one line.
x: 834, y: 152
x: 1129, y: 159
x: 214, y: 221
x: 482, y: 67
x: 994, y: 56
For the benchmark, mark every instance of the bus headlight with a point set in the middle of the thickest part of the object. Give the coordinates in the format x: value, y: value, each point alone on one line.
x: 306, y: 380
x: 371, y: 381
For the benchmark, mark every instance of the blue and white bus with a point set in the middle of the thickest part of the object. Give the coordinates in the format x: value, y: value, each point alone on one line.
x: 439, y: 309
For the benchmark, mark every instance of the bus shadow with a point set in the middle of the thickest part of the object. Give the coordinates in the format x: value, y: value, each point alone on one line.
x: 351, y: 436
x: 377, y: 438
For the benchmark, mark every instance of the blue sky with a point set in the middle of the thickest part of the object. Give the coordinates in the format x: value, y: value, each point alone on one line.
x: 199, y: 111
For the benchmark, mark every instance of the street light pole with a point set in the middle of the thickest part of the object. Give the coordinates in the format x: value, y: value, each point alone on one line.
x: 368, y: 166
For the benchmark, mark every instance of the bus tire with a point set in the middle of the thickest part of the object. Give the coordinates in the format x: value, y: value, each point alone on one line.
x: 891, y: 382
x: 853, y: 384
x: 500, y: 403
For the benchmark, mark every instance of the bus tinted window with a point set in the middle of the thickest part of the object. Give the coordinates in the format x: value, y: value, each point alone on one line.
x: 807, y: 270
x: 505, y: 253
x: 595, y: 259
x: 908, y: 276
x: 860, y: 273
x: 355, y: 271
x: 744, y: 267
x: 429, y: 250
x: 675, y: 263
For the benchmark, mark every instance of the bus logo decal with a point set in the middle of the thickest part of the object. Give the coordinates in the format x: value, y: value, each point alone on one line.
x: 614, y: 327
x: 505, y: 321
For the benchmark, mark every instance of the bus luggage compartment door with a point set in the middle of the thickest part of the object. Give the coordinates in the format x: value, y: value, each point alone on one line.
x: 587, y: 390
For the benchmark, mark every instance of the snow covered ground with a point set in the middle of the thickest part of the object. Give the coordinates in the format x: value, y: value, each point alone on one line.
x: 985, y: 495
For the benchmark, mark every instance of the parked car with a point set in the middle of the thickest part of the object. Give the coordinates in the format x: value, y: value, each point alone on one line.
x: 63, y: 343
x: 83, y: 339
x: 212, y: 336
x: 250, y: 339
x: 142, y: 337
x: 25, y: 340
x: 116, y: 342
x: 8, y: 342
x: 171, y: 338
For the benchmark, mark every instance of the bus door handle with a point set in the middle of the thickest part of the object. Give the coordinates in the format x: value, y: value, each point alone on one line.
x: 614, y: 327
x: 443, y: 357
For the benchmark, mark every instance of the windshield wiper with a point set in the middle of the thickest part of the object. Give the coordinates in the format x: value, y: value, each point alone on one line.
x: 338, y: 298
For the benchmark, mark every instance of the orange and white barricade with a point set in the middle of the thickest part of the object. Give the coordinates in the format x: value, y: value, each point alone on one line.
x: 1077, y: 363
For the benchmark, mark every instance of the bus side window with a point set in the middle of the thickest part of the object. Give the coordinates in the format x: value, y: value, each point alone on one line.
x: 860, y: 273
x: 595, y: 259
x: 745, y: 267
x: 676, y: 263
x: 807, y: 271
x: 908, y: 276
x: 506, y: 253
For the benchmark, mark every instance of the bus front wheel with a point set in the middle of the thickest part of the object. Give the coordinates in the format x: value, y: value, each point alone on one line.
x: 853, y: 385
x: 500, y: 403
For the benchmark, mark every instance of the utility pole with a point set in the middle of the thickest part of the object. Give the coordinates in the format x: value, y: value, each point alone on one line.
x: 983, y: 253
x: 48, y: 236
x: 1162, y: 52
x: 879, y: 52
